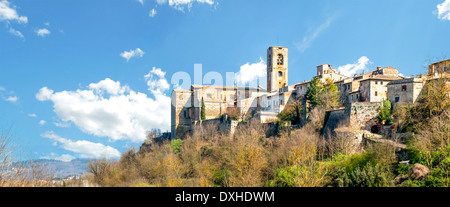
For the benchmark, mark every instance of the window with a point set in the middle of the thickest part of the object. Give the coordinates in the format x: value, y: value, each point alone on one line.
x: 352, y: 97
x: 208, y: 96
x: 403, y: 88
x: 356, y: 96
x: 281, y: 102
x: 280, y: 74
x: 280, y: 60
x: 381, y: 82
x: 376, y: 82
x: 397, y: 99
x: 376, y: 93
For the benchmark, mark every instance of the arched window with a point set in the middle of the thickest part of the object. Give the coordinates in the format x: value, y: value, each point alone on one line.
x: 280, y: 59
x: 280, y: 74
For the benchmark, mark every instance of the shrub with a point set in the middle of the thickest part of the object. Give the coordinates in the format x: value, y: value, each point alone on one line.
x: 385, y: 112
x: 176, y: 145
x: 360, y: 170
x: 292, y: 113
x: 362, y: 176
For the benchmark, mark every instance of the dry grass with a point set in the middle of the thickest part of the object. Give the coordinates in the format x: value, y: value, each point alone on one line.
x: 19, y: 174
x: 436, y: 135
x: 207, y: 158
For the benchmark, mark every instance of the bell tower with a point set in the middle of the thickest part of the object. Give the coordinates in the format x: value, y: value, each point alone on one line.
x: 277, y: 68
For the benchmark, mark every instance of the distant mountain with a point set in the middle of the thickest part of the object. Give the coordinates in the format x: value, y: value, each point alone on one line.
x: 60, y: 169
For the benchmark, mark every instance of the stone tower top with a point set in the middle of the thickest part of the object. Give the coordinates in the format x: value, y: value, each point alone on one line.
x: 277, y: 68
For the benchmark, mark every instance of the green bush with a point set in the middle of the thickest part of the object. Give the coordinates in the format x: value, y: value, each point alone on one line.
x: 413, y: 183
x: 385, y: 112
x: 285, y: 177
x: 359, y: 170
x: 363, y: 176
x: 176, y: 145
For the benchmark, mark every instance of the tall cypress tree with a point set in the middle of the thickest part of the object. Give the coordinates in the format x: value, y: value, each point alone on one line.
x: 202, y: 110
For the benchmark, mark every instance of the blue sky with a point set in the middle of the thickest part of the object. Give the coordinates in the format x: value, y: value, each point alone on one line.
x: 85, y: 79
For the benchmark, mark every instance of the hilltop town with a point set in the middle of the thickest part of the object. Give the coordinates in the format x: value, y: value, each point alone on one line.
x: 376, y: 129
x: 359, y: 97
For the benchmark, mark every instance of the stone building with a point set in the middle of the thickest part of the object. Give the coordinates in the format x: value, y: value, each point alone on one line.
x: 368, y: 87
x: 324, y: 72
x: 405, y: 91
x: 439, y: 67
x: 218, y: 100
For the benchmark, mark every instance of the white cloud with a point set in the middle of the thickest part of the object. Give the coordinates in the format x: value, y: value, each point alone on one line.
x: 12, y: 99
x: 181, y: 4
x: 443, y: 10
x: 86, y: 149
x: 32, y: 115
x: 141, y: 1
x: 109, y: 86
x: 351, y: 69
x: 16, y: 33
x: 251, y: 72
x: 156, y: 82
x: 44, y: 94
x: 8, y: 95
x: 9, y: 13
x: 313, y: 34
x: 64, y: 157
x: 152, y: 13
x: 42, y: 122
x: 115, y: 111
x: 43, y: 32
x: 132, y: 53
x: 62, y: 124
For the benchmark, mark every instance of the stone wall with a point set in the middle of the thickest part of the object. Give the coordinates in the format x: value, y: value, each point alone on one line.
x: 180, y: 113
x: 363, y: 115
x: 213, y: 109
x: 335, y: 119
x: 222, y: 125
